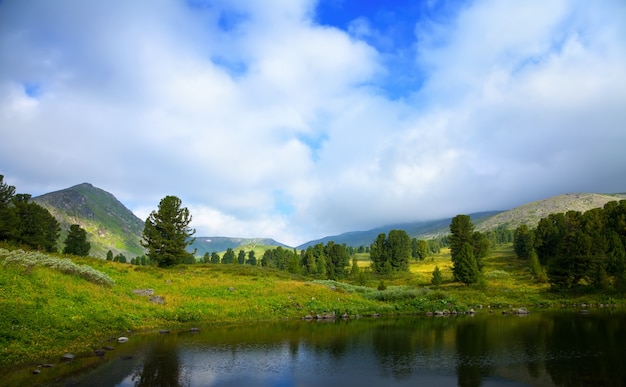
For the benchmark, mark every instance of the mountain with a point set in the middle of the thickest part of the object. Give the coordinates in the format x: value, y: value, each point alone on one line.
x: 420, y: 230
x: 531, y: 213
x: 218, y: 244
x: 109, y: 224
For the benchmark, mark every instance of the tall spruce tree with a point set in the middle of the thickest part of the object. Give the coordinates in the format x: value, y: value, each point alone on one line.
x: 76, y: 242
x: 437, y: 278
x: 399, y: 245
x: 241, y: 257
x: 229, y: 256
x: 461, y: 232
x: 465, y: 267
x: 167, y: 233
x: 378, y: 253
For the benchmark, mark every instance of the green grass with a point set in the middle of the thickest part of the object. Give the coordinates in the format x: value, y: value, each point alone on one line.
x: 48, y: 310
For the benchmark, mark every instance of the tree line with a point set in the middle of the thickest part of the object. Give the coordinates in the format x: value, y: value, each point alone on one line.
x: 26, y: 223
x: 575, y: 249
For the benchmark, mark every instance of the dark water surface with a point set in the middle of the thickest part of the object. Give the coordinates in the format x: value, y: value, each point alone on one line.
x: 542, y: 349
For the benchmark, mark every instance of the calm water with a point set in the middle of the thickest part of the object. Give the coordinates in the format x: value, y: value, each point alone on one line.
x: 565, y: 349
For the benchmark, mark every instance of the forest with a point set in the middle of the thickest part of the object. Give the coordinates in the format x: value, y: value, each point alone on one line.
x: 575, y: 249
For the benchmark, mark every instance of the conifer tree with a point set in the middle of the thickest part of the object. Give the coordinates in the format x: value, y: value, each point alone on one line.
x: 465, y: 245
x: 465, y: 267
x: 229, y: 256
x: 35, y: 226
x: 437, y: 277
x: 76, y: 242
x: 167, y: 233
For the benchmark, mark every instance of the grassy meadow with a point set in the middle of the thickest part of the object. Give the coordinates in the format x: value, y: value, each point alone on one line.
x: 73, y: 304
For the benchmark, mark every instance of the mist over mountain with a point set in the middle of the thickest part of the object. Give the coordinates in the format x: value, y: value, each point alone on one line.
x: 420, y: 230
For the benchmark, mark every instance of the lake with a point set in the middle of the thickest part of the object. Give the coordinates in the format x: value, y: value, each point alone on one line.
x: 540, y: 349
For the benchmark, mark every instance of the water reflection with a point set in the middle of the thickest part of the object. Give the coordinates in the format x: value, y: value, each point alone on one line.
x: 161, y: 366
x: 473, y: 353
x: 562, y: 349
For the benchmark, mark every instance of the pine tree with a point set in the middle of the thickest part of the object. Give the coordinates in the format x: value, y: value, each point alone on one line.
x: 167, y: 233
x: 251, y: 258
x: 229, y: 256
x: 76, y: 242
x: 378, y: 253
x: 465, y: 267
x: 461, y: 232
x: 241, y: 257
x: 437, y: 277
x: 35, y: 226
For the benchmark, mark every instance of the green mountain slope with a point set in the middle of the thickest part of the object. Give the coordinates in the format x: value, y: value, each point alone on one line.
x: 109, y: 224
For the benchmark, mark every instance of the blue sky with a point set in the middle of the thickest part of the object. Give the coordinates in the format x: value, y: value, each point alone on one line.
x: 297, y: 119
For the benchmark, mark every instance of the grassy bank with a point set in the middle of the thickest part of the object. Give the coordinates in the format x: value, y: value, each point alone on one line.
x: 74, y: 306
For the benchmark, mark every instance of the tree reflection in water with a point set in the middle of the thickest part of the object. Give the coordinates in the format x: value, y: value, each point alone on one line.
x: 161, y: 366
x: 562, y: 349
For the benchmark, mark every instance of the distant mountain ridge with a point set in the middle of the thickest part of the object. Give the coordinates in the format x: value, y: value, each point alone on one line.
x: 421, y: 230
x: 218, y: 244
x: 112, y: 226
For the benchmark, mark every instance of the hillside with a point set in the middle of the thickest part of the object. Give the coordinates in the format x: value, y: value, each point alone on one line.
x: 531, y: 213
x: 109, y: 224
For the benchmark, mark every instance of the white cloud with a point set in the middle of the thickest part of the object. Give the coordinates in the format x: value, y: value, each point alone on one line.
x: 266, y: 124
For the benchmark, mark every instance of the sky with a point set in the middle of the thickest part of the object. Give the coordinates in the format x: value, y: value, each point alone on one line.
x: 299, y: 119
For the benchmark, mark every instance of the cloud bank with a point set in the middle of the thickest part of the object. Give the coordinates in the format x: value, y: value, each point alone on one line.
x: 269, y: 121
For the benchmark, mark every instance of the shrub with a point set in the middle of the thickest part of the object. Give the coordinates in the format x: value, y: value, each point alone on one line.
x: 32, y: 258
x: 437, y: 295
x: 437, y: 277
x: 395, y: 293
x: 495, y: 274
x: 345, y: 287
